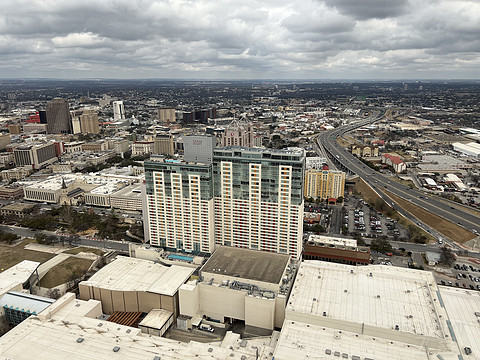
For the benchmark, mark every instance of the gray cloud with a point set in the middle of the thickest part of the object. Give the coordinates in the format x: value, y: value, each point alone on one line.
x: 254, y: 39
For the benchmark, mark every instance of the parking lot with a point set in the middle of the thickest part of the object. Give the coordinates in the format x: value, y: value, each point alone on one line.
x: 466, y: 276
x: 361, y: 219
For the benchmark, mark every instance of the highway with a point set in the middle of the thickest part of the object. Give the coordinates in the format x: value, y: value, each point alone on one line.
x: 347, y: 162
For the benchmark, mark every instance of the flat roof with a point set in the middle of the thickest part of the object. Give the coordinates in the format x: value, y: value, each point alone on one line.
x: 332, y: 240
x: 247, y: 264
x: 132, y: 274
x: 131, y: 191
x: 17, y: 274
x: 156, y: 318
x: 300, y: 341
x: 388, y: 297
x: 69, y: 333
x: 463, y: 309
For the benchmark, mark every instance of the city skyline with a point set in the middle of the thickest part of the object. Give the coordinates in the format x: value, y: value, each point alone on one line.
x: 255, y: 40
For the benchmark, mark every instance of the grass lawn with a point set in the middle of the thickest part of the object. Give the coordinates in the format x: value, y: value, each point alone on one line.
x: 447, y: 228
x: 80, y: 249
x: 67, y: 270
x: 12, y: 255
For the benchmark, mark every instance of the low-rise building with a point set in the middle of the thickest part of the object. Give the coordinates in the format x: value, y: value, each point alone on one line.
x: 365, y: 150
x: 140, y: 148
x: 241, y: 285
x: 11, y: 192
x: 128, y: 198
x: 17, y: 173
x: 335, y: 249
x: 394, y: 161
x: 129, y: 284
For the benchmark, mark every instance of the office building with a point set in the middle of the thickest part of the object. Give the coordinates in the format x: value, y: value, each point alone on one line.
x: 35, y: 156
x: 4, y: 141
x: 259, y: 199
x: 58, y: 117
x: 118, y: 111
x: 178, y: 205
x: 324, y: 184
x: 89, y: 122
x: 166, y: 114
x: 163, y: 144
x: 199, y: 148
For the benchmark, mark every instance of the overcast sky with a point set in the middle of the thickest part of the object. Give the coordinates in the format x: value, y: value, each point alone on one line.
x: 241, y: 39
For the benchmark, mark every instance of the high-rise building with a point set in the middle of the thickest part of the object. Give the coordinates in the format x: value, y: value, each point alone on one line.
x: 166, y: 114
x: 324, y: 184
x: 118, y: 111
x: 89, y: 122
x: 163, y: 144
x: 178, y: 205
x: 250, y: 198
x: 58, y: 117
x: 240, y: 133
x: 259, y: 199
x: 199, y: 148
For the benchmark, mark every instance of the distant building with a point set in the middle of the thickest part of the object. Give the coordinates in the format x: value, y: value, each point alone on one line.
x: 240, y: 133
x: 198, y: 148
x: 166, y: 114
x: 394, y: 161
x: 314, y: 162
x: 14, y: 129
x: 11, y: 192
x: 58, y: 117
x: 118, y: 111
x: 163, y: 144
x: 35, y: 156
x: 324, y: 184
x: 140, y: 148
x: 365, y: 150
x: 89, y: 122
x: 4, y: 141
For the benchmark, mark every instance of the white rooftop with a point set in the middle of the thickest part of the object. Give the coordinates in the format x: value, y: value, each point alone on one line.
x: 16, y: 275
x: 333, y: 241
x: 299, y: 340
x: 390, y: 296
x: 70, y: 330
x: 463, y: 309
x: 132, y: 274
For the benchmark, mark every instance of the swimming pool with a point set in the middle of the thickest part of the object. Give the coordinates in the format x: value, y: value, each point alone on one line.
x: 180, y: 257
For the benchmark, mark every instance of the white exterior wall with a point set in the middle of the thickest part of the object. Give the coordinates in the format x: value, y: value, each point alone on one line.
x: 42, y: 195
x: 255, y: 224
x: 97, y: 199
x: 176, y: 218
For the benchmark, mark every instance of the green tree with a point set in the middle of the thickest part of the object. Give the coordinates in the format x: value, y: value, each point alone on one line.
x: 381, y: 245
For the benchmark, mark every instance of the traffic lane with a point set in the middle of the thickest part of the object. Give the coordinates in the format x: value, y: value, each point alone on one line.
x: 467, y: 220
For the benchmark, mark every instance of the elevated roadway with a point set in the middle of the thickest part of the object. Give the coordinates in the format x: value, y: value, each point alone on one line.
x: 456, y: 214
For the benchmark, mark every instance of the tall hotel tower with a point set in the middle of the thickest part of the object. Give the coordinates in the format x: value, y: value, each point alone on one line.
x: 249, y: 197
x: 178, y: 205
x: 58, y: 117
x: 259, y: 199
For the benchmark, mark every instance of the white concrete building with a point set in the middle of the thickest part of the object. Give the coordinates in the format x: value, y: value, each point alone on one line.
x: 128, y: 198
x: 118, y: 111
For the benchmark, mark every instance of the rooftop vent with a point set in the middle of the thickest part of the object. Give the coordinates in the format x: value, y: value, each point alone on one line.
x: 157, y: 358
x: 328, y: 351
x: 324, y: 313
x: 116, y: 348
x: 397, y: 327
x: 79, y: 340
